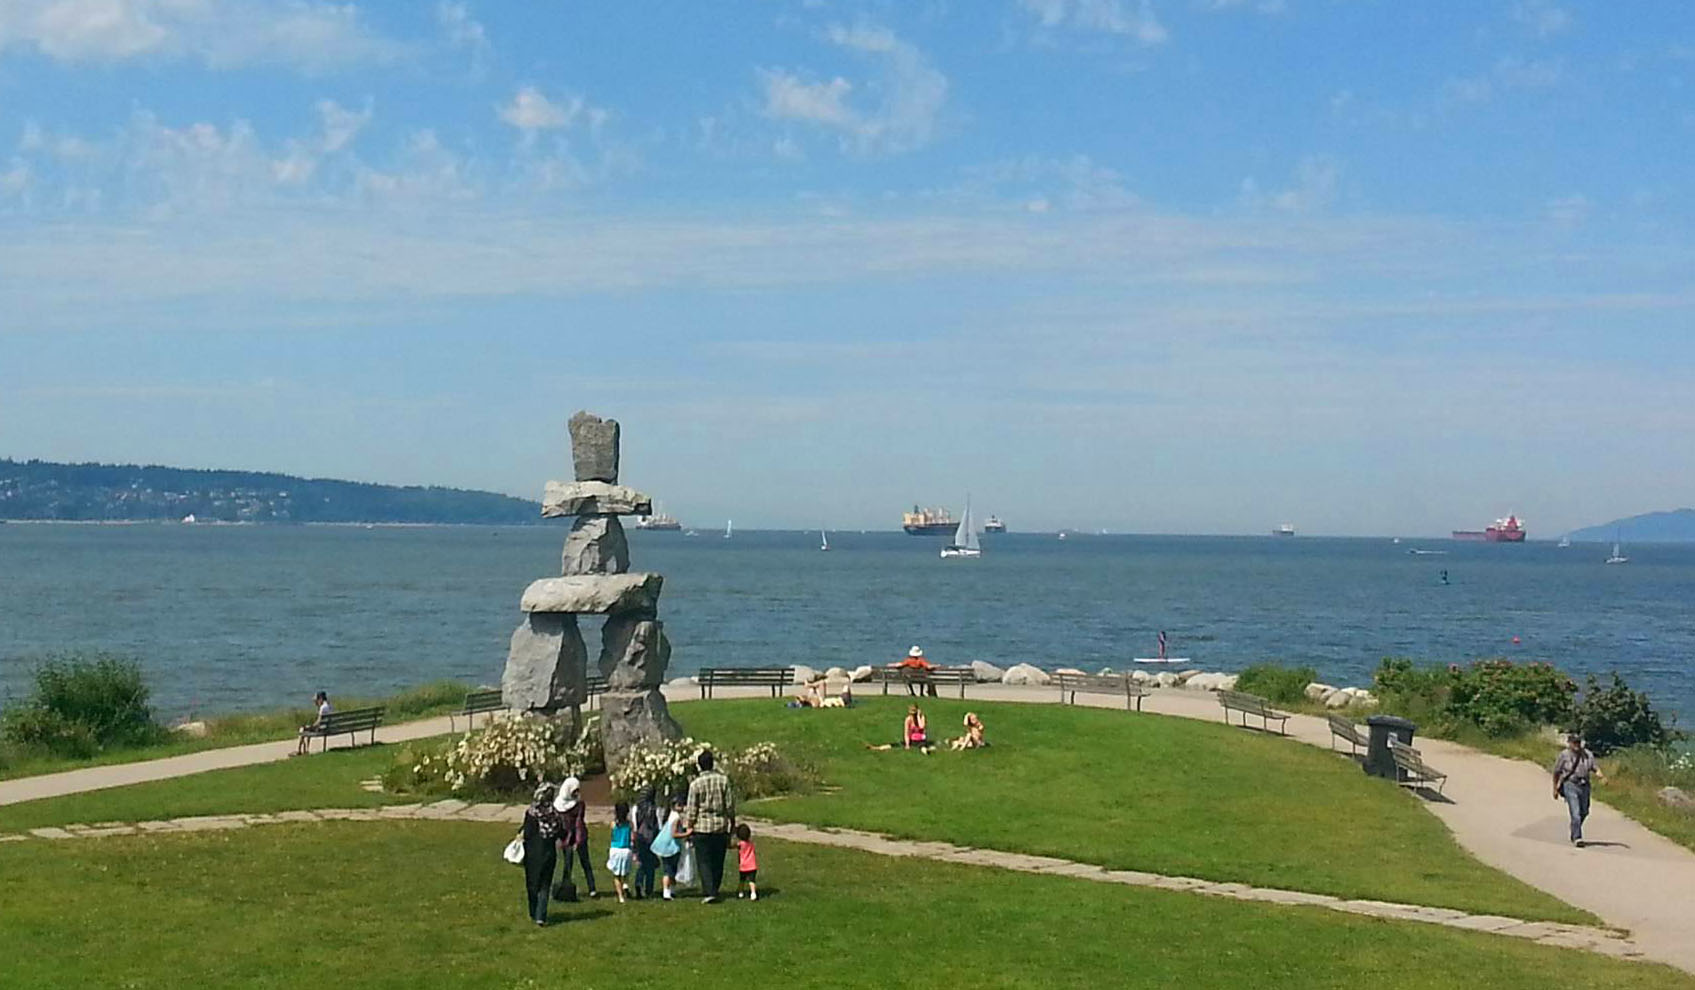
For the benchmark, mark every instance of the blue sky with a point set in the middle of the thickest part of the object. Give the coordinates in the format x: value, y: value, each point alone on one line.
x: 1162, y: 266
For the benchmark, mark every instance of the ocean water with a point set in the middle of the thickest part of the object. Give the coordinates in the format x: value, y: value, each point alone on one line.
x: 231, y: 618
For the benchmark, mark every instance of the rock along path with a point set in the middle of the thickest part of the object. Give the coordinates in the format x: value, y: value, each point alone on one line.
x: 1598, y: 940
x: 1500, y: 810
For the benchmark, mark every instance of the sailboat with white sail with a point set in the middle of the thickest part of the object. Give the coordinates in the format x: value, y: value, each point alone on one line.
x: 729, y: 528
x: 964, y: 538
x: 823, y: 540
x: 1618, y: 556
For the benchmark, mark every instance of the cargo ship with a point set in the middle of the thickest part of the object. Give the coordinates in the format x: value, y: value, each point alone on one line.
x: 660, y: 521
x: 1508, y: 530
x: 928, y: 522
x: 1287, y: 529
x: 994, y: 525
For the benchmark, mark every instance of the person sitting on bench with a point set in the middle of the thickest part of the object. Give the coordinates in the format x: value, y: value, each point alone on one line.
x: 322, y: 701
x: 916, y: 663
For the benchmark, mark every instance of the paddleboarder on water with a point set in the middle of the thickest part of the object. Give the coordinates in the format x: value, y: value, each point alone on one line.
x: 1162, y: 644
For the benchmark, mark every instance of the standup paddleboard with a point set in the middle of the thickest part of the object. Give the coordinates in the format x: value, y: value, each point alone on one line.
x: 1161, y: 660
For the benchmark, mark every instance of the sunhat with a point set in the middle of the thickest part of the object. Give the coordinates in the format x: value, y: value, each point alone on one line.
x: 915, y: 652
x: 567, y: 798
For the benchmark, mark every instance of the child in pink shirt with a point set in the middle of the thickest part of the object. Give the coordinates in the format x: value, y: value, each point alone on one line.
x: 747, y: 861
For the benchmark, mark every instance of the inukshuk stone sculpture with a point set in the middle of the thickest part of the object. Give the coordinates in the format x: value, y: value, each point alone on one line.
x: 546, y: 670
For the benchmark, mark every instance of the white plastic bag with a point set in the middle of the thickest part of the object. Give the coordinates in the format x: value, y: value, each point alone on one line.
x: 514, y: 853
x: 685, y: 867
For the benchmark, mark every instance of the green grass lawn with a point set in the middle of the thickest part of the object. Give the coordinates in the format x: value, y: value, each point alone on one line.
x: 430, y: 904
x: 1123, y: 790
x: 322, y: 780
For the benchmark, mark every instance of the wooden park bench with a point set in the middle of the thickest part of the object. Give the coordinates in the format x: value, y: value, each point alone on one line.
x: 1343, y: 727
x: 775, y: 678
x: 477, y: 703
x: 917, y: 678
x: 348, y: 723
x: 1413, y: 769
x: 1070, y: 684
x: 594, y: 687
x: 1251, y: 704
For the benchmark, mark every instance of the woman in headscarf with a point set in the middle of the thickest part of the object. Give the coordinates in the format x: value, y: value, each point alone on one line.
x: 574, y: 837
x: 542, y: 828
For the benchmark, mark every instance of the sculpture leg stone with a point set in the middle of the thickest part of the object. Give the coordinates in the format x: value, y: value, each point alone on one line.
x: 596, y: 545
x: 634, y: 652
x: 547, y: 666
x: 631, y: 718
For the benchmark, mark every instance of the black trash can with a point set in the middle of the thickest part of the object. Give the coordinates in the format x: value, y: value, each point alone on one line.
x: 1379, y: 762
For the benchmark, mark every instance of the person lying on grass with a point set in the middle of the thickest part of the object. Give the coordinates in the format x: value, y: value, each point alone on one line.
x: 914, y: 733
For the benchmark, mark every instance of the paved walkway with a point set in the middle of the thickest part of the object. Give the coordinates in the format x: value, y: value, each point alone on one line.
x: 1598, y: 940
x: 1501, y: 810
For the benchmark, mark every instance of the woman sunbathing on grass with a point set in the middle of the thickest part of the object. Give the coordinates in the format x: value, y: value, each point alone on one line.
x: 914, y: 733
x: 973, y: 738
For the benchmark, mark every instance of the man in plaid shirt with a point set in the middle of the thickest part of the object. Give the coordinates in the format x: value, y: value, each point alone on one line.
x: 709, y: 816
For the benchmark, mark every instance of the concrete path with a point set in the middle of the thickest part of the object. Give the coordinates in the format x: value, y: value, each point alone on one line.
x: 123, y: 774
x: 1597, y: 940
x: 1500, y: 810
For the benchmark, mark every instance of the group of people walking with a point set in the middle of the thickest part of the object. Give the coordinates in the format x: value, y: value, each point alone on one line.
x: 701, y: 824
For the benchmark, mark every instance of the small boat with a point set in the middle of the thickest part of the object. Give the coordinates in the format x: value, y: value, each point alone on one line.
x: 1416, y: 552
x: 729, y: 528
x: 1618, y: 557
x: 1565, y: 542
x: 1062, y: 534
x: 691, y: 533
x: 188, y: 519
x: 1287, y: 529
x: 964, y: 538
x: 823, y: 539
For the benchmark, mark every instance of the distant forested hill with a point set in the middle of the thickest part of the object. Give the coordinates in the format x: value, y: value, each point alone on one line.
x: 1676, y: 526
x: 45, y: 490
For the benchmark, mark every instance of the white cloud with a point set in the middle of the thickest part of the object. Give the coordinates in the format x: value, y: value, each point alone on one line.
x: 1568, y: 211
x: 531, y: 111
x: 1507, y: 74
x: 339, y: 127
x: 1314, y: 186
x: 900, y: 105
x: 1101, y: 16
x: 1262, y: 6
x: 308, y: 34
x: 1544, y: 18
x: 463, y: 32
x: 1038, y: 185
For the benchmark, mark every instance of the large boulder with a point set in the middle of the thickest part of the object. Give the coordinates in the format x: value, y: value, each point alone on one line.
x: 805, y: 674
x: 1203, y: 682
x: 1165, y: 680
x: 1227, y: 682
x: 1139, y: 677
x: 1338, y: 699
x: 837, y: 674
x: 596, y: 545
x: 547, y: 665
x: 1071, y: 672
x: 1676, y: 797
x: 589, y: 498
x: 986, y: 673
x: 633, y: 652
x: 630, y: 718
x: 861, y: 673
x: 1023, y: 673
x: 683, y: 684
x: 594, y: 448
x: 594, y: 594
x: 1183, y: 676
x: 1316, y: 691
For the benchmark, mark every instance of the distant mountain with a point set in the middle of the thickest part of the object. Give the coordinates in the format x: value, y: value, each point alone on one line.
x: 1676, y: 526
x: 126, y: 492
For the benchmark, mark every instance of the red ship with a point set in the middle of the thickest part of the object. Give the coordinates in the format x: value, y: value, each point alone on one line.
x: 1508, y: 530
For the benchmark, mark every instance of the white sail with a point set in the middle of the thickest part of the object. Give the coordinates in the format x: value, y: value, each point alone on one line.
x: 729, y: 527
x: 965, y: 542
x: 824, y: 538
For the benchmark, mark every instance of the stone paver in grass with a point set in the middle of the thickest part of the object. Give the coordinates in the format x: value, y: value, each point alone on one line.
x: 1598, y: 940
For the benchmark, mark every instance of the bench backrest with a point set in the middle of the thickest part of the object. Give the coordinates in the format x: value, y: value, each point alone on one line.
x: 1408, y: 758
x: 943, y: 674
x: 352, y: 720
x: 595, y: 684
x: 1345, y: 727
x: 760, y: 676
x: 477, y: 702
x: 1253, y: 704
x: 1097, y: 682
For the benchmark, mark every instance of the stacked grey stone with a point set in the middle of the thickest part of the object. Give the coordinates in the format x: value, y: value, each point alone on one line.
x: 546, y: 670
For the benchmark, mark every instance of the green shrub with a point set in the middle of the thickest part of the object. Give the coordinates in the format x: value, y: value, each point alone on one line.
x: 1615, y: 717
x: 1418, y: 693
x: 1277, y: 682
x: 83, y: 704
x: 1504, y: 698
x: 1655, y: 766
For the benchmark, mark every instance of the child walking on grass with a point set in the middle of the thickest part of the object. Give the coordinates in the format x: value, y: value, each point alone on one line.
x: 747, y: 862
x: 622, y: 848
